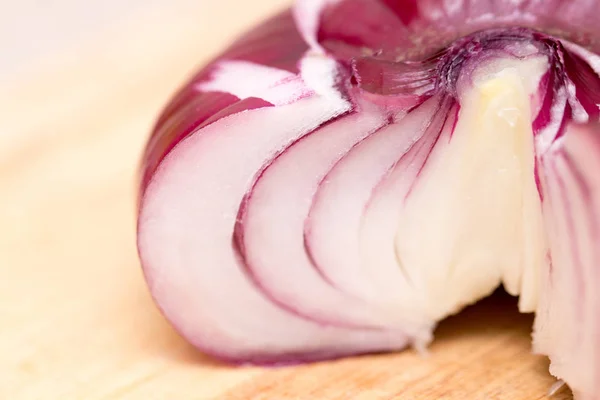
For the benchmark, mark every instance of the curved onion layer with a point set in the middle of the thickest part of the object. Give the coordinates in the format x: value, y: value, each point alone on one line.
x: 353, y: 171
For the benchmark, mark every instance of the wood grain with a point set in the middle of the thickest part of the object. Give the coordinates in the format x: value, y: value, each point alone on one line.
x: 77, y: 320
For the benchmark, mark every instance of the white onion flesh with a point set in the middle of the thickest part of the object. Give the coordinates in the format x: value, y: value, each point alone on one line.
x: 476, y: 202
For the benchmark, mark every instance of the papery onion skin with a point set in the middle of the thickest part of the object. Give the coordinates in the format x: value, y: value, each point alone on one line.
x: 377, y: 63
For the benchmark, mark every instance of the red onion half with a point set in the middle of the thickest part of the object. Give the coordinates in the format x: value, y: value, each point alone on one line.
x: 351, y: 172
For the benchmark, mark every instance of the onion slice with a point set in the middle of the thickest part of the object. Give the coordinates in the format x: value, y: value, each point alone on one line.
x: 193, y: 206
x: 351, y: 172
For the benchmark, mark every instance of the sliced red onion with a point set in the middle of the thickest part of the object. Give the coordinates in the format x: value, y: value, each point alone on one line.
x: 216, y: 305
x: 353, y: 171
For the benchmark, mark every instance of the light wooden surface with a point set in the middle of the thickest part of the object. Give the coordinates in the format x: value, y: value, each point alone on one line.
x: 76, y: 321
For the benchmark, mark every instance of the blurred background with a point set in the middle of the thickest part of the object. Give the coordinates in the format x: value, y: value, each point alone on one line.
x: 81, y: 83
x: 32, y: 30
x: 64, y: 47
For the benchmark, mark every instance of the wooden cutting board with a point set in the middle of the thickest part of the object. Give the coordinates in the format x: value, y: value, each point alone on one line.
x: 76, y: 319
